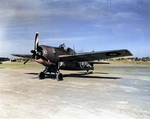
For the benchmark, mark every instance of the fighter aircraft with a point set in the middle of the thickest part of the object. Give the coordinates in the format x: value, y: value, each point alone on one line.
x: 56, y: 58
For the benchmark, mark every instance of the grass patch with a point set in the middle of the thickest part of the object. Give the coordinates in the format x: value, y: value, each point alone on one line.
x: 19, y: 65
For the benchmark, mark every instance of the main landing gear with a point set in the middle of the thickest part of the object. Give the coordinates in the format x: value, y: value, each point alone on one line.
x: 51, y: 69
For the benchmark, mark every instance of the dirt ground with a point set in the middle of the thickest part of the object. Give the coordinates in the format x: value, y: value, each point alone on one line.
x: 110, y: 92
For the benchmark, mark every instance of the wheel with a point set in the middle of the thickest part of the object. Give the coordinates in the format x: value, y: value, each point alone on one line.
x: 59, y: 77
x: 41, y: 75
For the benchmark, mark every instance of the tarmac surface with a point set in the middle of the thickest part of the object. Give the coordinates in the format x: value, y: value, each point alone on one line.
x: 110, y: 92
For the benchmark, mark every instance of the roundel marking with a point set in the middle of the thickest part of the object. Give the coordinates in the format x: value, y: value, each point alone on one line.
x: 45, y: 52
x: 113, y: 54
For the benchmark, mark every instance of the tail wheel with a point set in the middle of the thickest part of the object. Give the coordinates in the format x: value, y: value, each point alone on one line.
x: 41, y: 75
x: 59, y: 77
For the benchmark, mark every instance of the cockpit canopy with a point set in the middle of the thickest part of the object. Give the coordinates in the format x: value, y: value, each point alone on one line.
x: 62, y: 46
x: 71, y: 51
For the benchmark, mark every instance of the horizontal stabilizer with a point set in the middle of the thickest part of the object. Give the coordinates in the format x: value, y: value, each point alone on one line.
x: 100, y: 62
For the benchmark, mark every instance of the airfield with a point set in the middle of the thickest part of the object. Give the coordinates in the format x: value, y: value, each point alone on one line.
x: 112, y: 91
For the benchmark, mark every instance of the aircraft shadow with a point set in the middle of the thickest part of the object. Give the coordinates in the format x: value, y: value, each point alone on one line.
x: 78, y: 75
x: 32, y: 73
x: 52, y: 76
x: 88, y: 76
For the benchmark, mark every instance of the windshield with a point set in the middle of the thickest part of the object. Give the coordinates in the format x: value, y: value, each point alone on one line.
x: 62, y: 46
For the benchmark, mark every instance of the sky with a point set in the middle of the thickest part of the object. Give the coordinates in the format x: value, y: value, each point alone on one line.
x: 87, y: 25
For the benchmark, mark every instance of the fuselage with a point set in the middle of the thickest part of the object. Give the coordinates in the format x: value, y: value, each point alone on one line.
x: 51, y: 56
x: 52, y: 53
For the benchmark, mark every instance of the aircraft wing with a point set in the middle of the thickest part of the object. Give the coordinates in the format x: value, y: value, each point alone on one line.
x: 95, y: 55
x: 22, y: 55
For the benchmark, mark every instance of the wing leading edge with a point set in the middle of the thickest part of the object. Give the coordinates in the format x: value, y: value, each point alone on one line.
x: 95, y: 55
x: 22, y: 55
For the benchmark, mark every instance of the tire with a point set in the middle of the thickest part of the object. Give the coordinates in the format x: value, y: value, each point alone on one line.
x: 41, y: 75
x: 59, y: 77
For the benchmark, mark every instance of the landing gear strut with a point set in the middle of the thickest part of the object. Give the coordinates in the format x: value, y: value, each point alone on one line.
x: 87, y: 71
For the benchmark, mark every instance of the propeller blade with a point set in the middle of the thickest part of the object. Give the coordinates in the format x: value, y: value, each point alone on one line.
x: 36, y: 41
x: 26, y: 61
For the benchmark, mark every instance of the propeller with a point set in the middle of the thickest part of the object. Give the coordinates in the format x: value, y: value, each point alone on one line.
x: 36, y: 51
x: 36, y: 42
x: 26, y: 61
